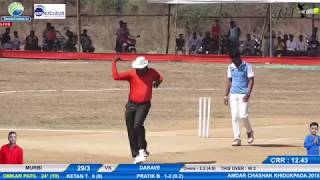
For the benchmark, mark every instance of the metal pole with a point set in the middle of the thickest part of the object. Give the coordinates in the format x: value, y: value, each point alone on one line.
x: 168, y: 28
x: 33, y: 2
x: 78, y: 24
x: 219, y: 35
x: 176, y: 30
x: 312, y: 21
x: 270, y: 29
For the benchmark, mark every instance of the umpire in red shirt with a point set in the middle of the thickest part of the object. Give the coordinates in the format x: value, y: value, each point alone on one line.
x: 11, y: 153
x: 141, y: 79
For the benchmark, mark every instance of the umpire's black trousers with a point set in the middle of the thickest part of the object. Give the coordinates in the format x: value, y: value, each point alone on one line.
x: 135, y: 116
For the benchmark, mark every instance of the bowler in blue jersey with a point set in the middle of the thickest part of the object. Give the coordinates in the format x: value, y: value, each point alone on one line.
x: 239, y: 87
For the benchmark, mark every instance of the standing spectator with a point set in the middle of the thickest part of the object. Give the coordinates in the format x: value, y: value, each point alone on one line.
x: 215, y: 30
x: 302, y: 46
x: 194, y: 44
x: 216, y: 35
x: 122, y: 36
x: 16, y: 42
x: 6, y: 39
x: 51, y: 38
x: 280, y: 47
x: 180, y: 44
x: 11, y: 153
x: 86, y: 42
x: 234, y: 35
x: 291, y: 46
x: 207, y: 44
x: 119, y: 34
x: 32, y: 42
x: 45, y: 34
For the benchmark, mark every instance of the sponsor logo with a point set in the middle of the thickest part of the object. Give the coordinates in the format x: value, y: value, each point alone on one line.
x: 49, y: 11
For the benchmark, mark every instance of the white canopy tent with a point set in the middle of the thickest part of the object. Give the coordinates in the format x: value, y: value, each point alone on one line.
x: 176, y: 2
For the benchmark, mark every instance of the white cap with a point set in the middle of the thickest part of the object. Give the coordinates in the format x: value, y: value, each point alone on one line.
x: 140, y: 63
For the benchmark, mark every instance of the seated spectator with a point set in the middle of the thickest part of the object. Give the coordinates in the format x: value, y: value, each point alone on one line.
x: 280, y: 47
x: 194, y: 44
x: 180, y: 44
x: 291, y: 46
x: 6, y: 39
x: 207, y: 44
x: 285, y: 39
x: 11, y: 153
x: 16, y: 42
x: 72, y: 39
x: 32, y: 42
x: 61, y: 40
x: 51, y: 38
x: 301, y: 46
x: 313, y: 47
x: 86, y: 42
x: 248, y: 47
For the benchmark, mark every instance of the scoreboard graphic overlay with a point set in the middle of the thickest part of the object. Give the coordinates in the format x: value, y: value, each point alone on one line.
x: 274, y: 167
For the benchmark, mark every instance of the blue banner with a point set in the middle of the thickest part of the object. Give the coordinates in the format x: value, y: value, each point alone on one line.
x: 292, y: 160
x: 120, y: 176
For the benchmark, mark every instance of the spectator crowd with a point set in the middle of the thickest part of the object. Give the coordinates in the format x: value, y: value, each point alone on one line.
x: 52, y: 40
x: 215, y: 42
x: 212, y: 42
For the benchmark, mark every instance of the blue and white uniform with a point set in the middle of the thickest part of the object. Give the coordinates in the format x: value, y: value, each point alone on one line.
x: 239, y: 88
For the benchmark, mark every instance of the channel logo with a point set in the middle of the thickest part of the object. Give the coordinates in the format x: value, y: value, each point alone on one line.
x: 15, y: 10
x: 49, y: 11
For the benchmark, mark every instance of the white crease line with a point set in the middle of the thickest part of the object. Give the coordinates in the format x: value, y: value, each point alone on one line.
x: 93, y: 90
x: 31, y: 91
x: 61, y: 130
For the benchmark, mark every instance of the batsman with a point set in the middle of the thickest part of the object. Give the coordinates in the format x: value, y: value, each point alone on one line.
x: 141, y: 80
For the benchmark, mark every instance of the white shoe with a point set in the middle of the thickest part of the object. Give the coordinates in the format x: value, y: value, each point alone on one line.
x: 139, y: 159
x: 144, y: 153
x: 250, y: 137
x: 236, y: 142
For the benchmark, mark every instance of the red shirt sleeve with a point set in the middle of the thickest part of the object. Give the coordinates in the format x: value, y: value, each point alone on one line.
x: 122, y: 76
x: 158, y: 75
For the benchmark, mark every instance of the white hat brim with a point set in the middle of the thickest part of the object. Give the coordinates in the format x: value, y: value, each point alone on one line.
x: 139, y: 66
